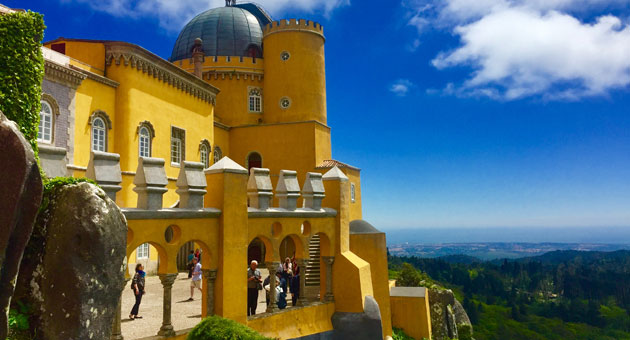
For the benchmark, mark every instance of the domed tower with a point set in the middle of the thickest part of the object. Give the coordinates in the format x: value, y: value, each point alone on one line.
x: 232, y: 44
x: 295, y: 76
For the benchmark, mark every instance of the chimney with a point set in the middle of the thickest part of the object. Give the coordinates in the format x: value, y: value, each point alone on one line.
x: 197, y: 56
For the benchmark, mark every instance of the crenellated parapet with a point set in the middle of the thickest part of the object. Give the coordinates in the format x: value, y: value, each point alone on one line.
x: 294, y: 25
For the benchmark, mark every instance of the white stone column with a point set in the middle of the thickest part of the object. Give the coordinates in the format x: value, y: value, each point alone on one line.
x: 302, y: 294
x: 273, y: 267
x: 211, y: 276
x: 329, y: 260
x: 167, y: 282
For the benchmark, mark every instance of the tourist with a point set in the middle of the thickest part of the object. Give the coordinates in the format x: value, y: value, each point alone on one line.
x: 254, y: 283
x: 295, y: 286
x: 281, y: 291
x: 196, y: 278
x: 191, y: 265
x: 266, y: 285
x: 287, y: 265
x: 137, y: 285
x: 198, y: 254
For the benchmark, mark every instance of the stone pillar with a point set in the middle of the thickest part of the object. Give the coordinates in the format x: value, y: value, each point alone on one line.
x: 288, y: 190
x: 116, y: 331
x: 191, y: 185
x: 211, y: 276
x: 104, y: 169
x: 167, y: 282
x: 302, y: 294
x: 273, y: 267
x: 329, y: 260
x: 150, y: 181
x: 313, y: 191
x: 259, y: 189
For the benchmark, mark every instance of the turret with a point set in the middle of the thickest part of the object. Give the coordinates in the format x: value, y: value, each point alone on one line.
x: 295, y: 76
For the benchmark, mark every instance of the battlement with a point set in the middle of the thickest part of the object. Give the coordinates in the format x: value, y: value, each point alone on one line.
x: 294, y: 25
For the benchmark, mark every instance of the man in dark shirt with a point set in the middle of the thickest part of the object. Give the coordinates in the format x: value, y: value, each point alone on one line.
x: 253, y: 281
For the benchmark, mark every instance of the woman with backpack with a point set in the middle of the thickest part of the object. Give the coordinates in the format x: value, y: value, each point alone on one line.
x: 137, y: 285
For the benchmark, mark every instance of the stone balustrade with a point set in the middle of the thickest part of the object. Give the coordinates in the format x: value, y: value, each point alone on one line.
x: 150, y: 181
x: 288, y: 190
x: 259, y: 189
x: 191, y: 185
x: 104, y: 169
x: 313, y: 191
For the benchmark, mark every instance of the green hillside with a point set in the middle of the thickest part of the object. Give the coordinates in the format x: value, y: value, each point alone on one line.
x: 559, y: 295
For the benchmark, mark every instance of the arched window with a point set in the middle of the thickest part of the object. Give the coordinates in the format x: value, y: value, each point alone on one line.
x: 217, y: 154
x: 44, y: 133
x: 254, y: 160
x: 204, y: 153
x: 255, y: 100
x: 144, y: 142
x: 99, y: 135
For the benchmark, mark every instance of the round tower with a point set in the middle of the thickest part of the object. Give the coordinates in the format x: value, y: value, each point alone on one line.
x: 295, y: 75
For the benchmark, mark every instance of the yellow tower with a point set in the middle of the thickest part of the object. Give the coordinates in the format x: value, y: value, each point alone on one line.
x: 295, y: 75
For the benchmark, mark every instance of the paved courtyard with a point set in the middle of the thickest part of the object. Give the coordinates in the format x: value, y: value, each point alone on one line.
x: 184, y: 314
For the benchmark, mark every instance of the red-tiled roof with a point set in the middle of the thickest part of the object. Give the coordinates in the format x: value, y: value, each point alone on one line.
x: 329, y: 163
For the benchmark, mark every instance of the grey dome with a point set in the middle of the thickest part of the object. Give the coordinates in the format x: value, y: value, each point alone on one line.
x: 225, y: 31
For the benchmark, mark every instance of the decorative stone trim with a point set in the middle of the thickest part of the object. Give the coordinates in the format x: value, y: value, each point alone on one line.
x: 76, y: 167
x: 152, y: 65
x: 61, y: 74
x: 169, y: 213
x: 52, y: 101
x: 297, y: 213
x: 288, y: 190
x: 147, y: 124
x: 206, y: 143
x: 96, y: 77
x: 231, y: 74
x: 101, y: 114
x: 222, y: 126
x: 259, y: 188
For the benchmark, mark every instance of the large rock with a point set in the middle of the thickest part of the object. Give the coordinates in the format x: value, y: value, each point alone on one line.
x: 73, y: 269
x: 359, y: 326
x: 20, y: 197
x: 448, y: 317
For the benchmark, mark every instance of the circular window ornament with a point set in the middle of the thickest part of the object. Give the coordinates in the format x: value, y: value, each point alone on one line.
x: 285, y: 102
x: 285, y: 55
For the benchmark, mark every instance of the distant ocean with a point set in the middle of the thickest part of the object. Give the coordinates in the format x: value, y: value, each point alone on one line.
x: 599, y: 235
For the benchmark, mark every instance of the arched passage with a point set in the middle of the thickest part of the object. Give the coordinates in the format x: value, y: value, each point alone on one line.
x: 254, y: 160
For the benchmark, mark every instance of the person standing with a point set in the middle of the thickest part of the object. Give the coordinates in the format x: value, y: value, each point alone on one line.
x: 196, y: 278
x: 137, y: 285
x: 295, y: 286
x: 253, y: 282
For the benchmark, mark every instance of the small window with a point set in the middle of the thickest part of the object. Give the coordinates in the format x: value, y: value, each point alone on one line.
x: 99, y: 135
x: 255, y: 100
x: 204, y: 154
x: 285, y: 56
x: 144, y: 142
x: 352, y: 192
x: 178, y: 142
x: 143, y: 251
x: 285, y: 102
x: 44, y: 133
x: 217, y: 154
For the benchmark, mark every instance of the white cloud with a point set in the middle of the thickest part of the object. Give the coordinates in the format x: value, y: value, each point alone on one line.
x: 519, y: 48
x: 401, y: 87
x: 173, y: 14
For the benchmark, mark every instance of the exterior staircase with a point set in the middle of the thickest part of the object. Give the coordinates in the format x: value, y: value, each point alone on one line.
x: 313, y: 270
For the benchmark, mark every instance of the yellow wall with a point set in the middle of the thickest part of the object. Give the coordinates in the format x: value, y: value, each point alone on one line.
x: 145, y: 98
x: 233, y: 100
x: 91, y: 54
x: 92, y: 96
x: 282, y: 147
x: 411, y: 314
x: 302, y: 77
x: 373, y: 249
x: 296, y: 322
x: 356, y: 210
x: 222, y: 140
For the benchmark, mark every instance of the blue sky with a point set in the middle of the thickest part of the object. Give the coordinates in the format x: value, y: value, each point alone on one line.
x: 460, y: 113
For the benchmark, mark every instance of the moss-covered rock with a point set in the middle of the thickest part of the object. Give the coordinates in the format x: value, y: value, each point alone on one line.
x: 218, y: 328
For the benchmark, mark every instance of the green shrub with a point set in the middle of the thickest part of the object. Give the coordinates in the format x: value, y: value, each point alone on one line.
x: 22, y: 70
x: 218, y: 328
x: 19, y: 328
x: 399, y: 334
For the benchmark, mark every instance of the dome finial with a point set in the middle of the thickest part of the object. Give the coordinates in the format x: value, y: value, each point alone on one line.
x: 230, y: 3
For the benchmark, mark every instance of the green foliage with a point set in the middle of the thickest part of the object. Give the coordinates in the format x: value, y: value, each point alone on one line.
x: 22, y: 70
x: 51, y: 184
x: 399, y: 334
x: 408, y: 276
x: 18, y: 322
x: 218, y: 328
